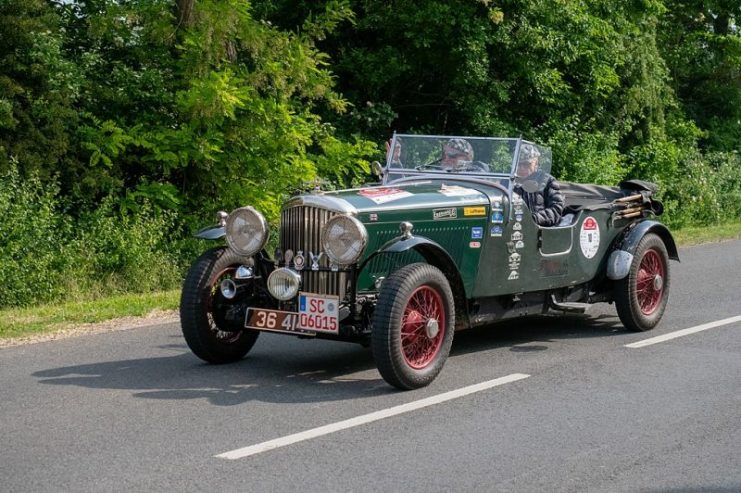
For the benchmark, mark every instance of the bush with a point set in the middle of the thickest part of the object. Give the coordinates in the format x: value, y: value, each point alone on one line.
x: 32, y: 264
x: 115, y: 252
x: 48, y: 255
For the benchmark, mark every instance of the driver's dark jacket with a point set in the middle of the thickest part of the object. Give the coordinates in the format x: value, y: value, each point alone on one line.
x: 547, y: 203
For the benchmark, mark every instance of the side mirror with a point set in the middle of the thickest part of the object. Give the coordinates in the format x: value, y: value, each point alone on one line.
x: 377, y: 170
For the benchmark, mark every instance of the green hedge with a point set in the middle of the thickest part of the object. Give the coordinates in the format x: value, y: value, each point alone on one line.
x: 48, y: 254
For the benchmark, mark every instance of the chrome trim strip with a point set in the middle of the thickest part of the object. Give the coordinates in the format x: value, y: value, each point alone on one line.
x: 333, y: 204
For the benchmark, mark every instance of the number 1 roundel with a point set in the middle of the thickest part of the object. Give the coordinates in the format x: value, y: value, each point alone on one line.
x: 589, y: 237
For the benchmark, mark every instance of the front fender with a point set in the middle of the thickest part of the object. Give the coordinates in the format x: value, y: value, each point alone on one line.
x: 430, y: 250
x: 435, y: 255
x: 211, y: 233
x: 620, y: 260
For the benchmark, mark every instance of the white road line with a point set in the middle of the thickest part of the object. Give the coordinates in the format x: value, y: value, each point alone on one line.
x: 368, y: 418
x: 683, y: 332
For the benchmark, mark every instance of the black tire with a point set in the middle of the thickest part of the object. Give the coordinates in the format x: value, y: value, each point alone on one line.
x: 641, y: 296
x: 198, y: 319
x: 416, y: 361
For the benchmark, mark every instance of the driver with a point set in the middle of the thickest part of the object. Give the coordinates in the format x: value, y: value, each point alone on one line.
x: 546, y: 203
x: 458, y: 156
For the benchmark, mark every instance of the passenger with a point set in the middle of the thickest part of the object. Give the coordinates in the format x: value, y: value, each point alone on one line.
x: 546, y: 203
x: 395, y: 161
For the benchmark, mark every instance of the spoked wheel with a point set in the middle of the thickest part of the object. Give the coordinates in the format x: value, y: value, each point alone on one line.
x: 413, y: 326
x: 641, y: 296
x: 422, y: 327
x: 211, y: 333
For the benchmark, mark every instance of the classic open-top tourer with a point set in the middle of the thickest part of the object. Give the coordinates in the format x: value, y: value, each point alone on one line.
x: 430, y: 250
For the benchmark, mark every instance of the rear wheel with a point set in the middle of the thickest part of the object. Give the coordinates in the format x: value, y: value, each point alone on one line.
x: 641, y: 296
x: 413, y: 326
x: 210, y: 333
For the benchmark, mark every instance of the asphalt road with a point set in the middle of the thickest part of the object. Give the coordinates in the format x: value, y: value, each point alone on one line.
x: 136, y: 411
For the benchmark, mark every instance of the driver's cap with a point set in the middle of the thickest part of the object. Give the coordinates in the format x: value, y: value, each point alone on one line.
x: 461, y: 145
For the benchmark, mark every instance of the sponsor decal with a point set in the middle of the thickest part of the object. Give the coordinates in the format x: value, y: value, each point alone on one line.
x: 383, y: 195
x: 520, y: 245
x: 457, y: 191
x: 497, y: 217
x: 517, y: 199
x: 517, y: 226
x: 514, y: 261
x: 516, y: 236
x: 373, y: 217
x: 496, y: 231
x: 474, y: 211
x: 477, y: 233
x: 518, y: 216
x: 589, y: 237
x: 513, y: 276
x: 497, y: 205
x: 449, y: 213
x: 475, y: 244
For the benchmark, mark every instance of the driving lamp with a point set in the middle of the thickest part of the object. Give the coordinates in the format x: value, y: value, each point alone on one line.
x: 283, y: 284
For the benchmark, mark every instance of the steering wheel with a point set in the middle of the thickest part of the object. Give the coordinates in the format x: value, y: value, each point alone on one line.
x: 431, y: 165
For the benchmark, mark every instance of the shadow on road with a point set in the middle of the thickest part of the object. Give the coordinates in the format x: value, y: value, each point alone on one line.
x: 287, y: 370
x: 520, y: 335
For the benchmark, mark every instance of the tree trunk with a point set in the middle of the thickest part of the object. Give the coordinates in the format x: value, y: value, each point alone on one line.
x: 185, y: 12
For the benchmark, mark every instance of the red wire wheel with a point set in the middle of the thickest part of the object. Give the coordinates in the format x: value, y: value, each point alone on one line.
x: 422, y: 327
x: 650, y: 282
x: 413, y: 326
x: 641, y: 296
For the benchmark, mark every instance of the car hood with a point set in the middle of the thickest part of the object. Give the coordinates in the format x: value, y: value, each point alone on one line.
x: 418, y: 195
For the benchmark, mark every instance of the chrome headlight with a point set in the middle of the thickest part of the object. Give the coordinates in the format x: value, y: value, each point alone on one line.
x: 344, y: 238
x: 283, y: 284
x: 246, y: 231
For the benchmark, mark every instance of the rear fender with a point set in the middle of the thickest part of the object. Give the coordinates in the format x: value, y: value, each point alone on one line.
x: 618, y: 264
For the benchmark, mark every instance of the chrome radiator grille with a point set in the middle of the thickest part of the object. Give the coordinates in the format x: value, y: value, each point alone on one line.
x: 301, y: 230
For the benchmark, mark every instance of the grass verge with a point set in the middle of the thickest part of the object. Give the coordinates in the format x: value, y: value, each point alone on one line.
x: 24, y: 322
x: 708, y: 234
x: 30, y: 321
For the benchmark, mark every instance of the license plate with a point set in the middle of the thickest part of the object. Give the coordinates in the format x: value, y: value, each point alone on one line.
x: 274, y: 321
x: 318, y: 312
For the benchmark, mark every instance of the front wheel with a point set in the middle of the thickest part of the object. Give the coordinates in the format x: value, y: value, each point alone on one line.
x: 210, y: 334
x: 641, y: 296
x: 413, y: 326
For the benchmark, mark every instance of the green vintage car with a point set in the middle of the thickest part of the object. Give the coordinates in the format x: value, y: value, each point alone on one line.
x: 444, y: 242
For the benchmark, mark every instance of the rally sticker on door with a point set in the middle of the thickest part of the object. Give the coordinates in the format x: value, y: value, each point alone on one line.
x: 589, y: 237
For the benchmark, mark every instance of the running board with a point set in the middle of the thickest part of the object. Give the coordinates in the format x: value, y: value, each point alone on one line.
x: 567, y: 306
